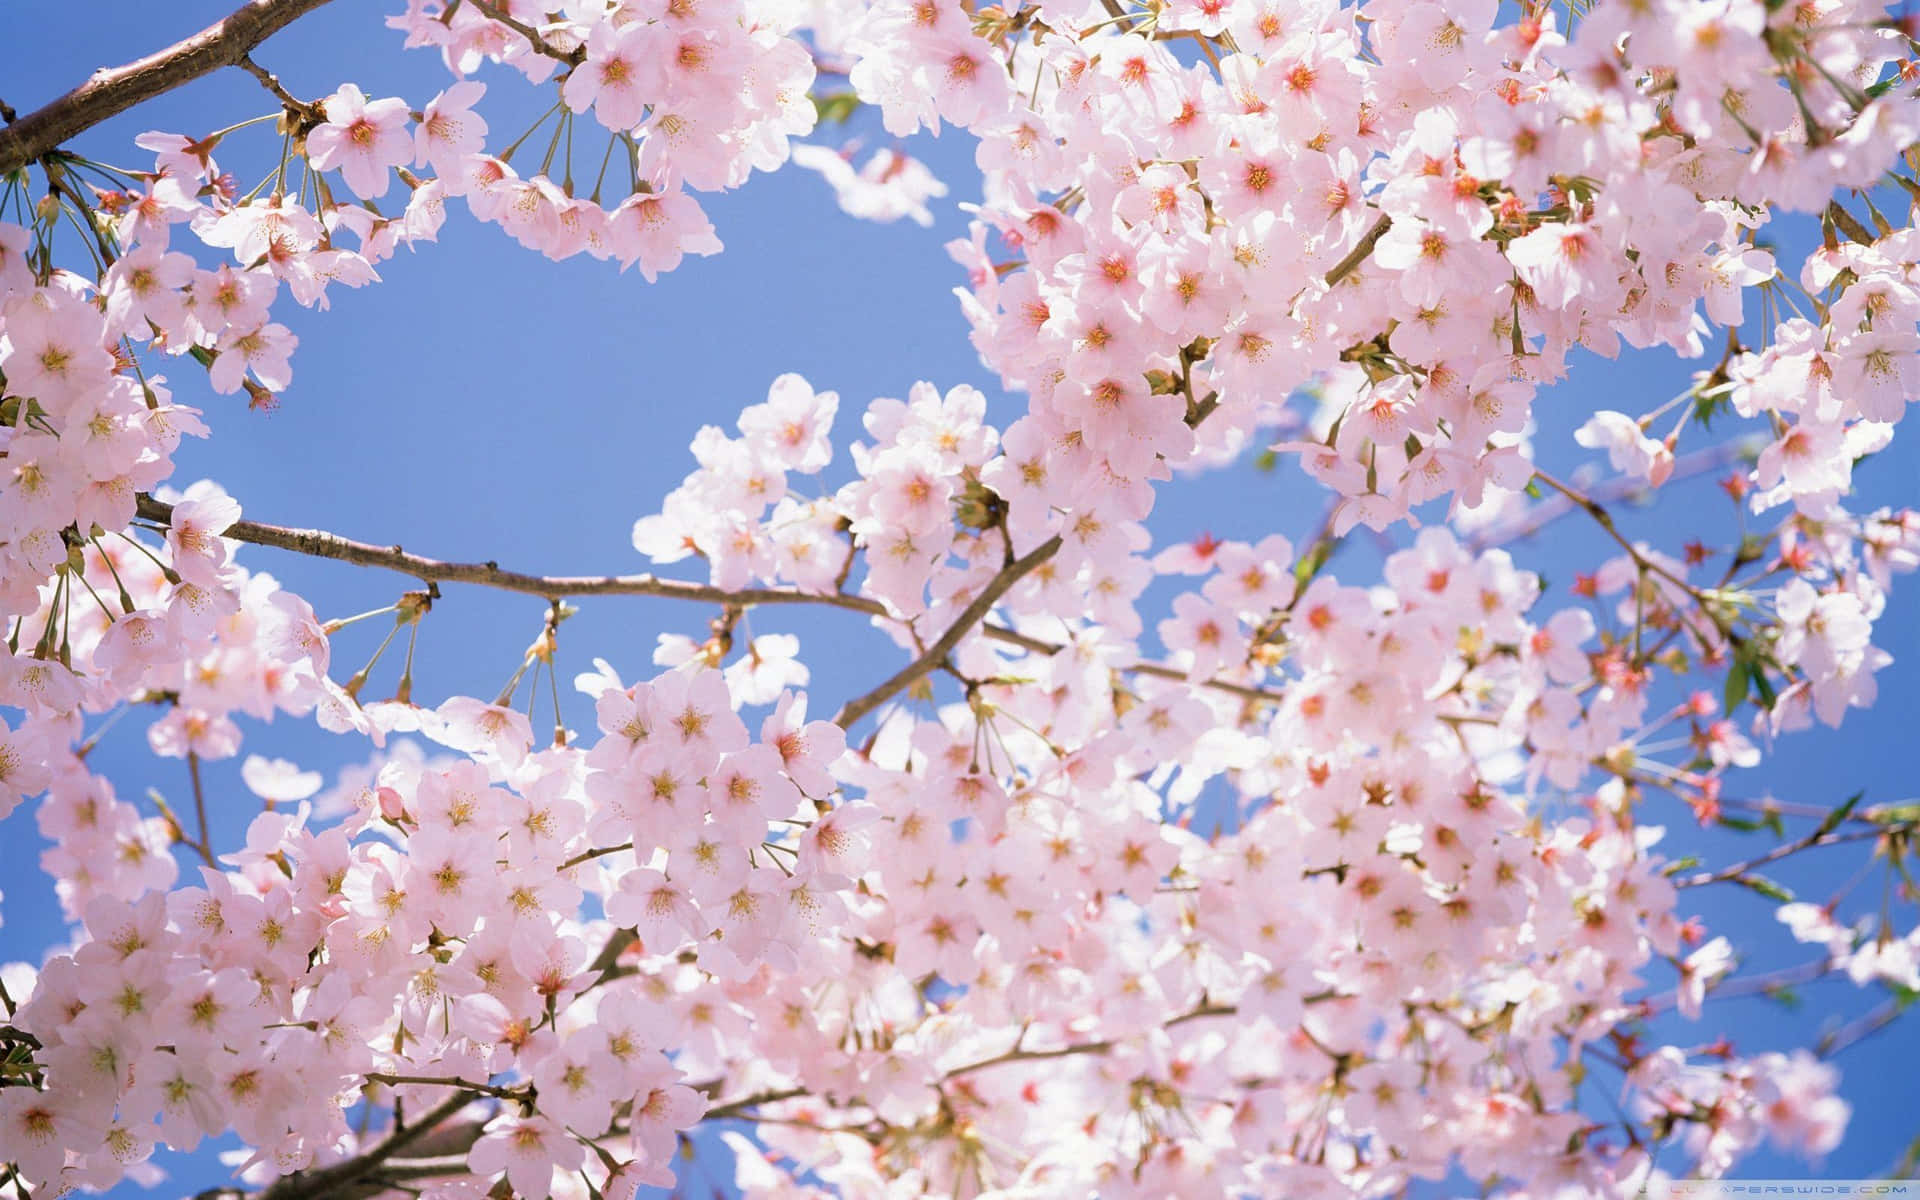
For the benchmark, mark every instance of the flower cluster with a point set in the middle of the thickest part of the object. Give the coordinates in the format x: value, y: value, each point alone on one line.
x: 695, y: 95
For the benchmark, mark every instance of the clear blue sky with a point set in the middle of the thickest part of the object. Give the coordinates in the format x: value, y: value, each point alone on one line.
x: 483, y: 402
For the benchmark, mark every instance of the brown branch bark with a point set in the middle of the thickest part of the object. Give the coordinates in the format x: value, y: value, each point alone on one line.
x: 113, y: 90
x: 314, y: 1185
x: 970, y: 616
x: 1360, y: 250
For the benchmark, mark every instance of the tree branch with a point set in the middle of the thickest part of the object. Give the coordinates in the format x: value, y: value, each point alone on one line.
x: 320, y: 544
x: 466, y: 1085
x: 1861, y: 1028
x: 1547, y: 511
x: 1813, y: 840
x: 495, y: 13
x: 314, y: 1185
x: 317, y: 543
x: 969, y: 617
x: 200, y: 806
x: 1246, y: 691
x: 271, y: 82
x: 1099, y: 1047
x: 738, y: 1108
x: 113, y: 90
x: 1360, y: 250
x: 606, y: 962
x: 1604, y: 519
x: 1766, y: 984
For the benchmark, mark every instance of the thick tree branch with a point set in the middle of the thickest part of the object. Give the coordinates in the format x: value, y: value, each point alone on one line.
x: 113, y: 90
x: 320, y: 544
x: 315, y: 1185
x: 969, y: 617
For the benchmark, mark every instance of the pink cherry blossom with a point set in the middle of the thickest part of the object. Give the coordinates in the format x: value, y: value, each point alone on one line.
x: 362, y: 139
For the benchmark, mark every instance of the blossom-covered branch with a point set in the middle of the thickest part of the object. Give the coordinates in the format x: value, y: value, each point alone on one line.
x: 320, y: 544
x: 942, y: 646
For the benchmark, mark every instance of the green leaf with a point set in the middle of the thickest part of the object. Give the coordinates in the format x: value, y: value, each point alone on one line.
x: 1739, y: 679
x: 1705, y: 408
x: 1832, y: 820
x: 835, y: 107
x: 1896, y: 814
x: 1309, y: 566
x: 1766, y: 887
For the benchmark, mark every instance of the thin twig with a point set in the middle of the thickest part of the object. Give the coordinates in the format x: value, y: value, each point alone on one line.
x: 200, y: 806
x: 735, y: 1108
x: 320, y: 544
x: 1246, y: 691
x: 1767, y: 983
x: 1018, y: 1055
x: 1604, y: 519
x: 494, y: 13
x: 1545, y: 513
x: 1861, y: 1028
x: 1360, y: 250
x: 970, y: 616
x: 304, y: 109
x: 1809, y: 842
x: 465, y: 1085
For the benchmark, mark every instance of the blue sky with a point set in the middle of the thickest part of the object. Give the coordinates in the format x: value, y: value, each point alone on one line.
x: 483, y: 402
